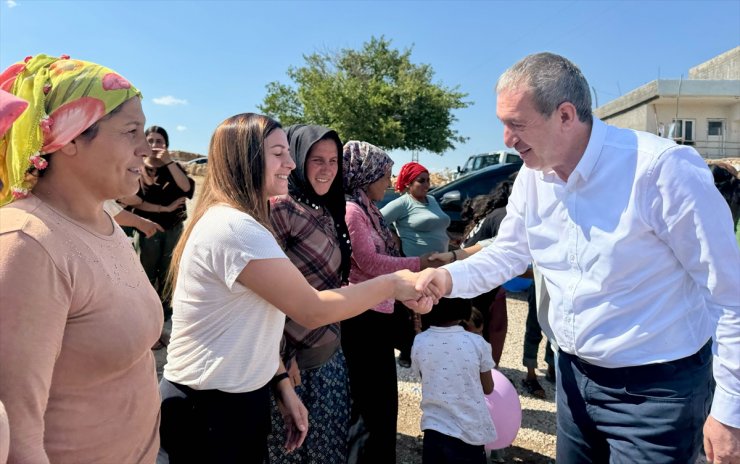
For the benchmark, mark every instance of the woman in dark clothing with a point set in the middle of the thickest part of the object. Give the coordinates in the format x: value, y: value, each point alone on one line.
x: 485, y: 219
x: 309, y: 225
x: 161, y: 198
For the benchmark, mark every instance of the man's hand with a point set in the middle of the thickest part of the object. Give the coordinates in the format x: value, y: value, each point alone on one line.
x: 721, y: 442
x: 431, y: 284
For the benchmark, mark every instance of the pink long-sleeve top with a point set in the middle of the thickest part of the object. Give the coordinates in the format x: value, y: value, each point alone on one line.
x: 367, y: 261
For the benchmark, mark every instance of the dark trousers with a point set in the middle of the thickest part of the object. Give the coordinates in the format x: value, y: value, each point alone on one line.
x: 211, y: 426
x: 367, y: 342
x: 403, y: 330
x: 444, y: 449
x: 533, y: 335
x: 644, y: 414
x: 155, y: 254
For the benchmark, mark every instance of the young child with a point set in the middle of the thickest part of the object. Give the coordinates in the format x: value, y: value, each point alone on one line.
x: 455, y: 367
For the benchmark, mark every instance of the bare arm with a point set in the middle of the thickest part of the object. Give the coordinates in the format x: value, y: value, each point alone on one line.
x: 486, y: 381
x: 295, y: 414
x: 129, y: 219
x: 281, y: 283
x: 181, y: 179
x: 154, y: 208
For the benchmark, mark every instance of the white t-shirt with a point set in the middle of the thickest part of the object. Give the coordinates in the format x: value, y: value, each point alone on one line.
x: 450, y: 361
x: 224, y: 336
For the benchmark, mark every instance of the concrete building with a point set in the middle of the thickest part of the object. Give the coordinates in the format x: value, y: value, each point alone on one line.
x: 703, y: 110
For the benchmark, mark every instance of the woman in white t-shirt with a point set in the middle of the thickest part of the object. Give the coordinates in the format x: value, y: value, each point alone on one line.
x: 233, y: 287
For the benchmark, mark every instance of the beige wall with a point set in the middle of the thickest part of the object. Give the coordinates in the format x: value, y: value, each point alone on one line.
x: 722, y: 67
x: 648, y: 118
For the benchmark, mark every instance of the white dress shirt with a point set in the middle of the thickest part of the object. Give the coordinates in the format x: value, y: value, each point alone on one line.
x: 638, y: 255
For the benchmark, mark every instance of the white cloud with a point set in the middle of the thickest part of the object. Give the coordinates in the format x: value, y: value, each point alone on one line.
x: 181, y: 128
x: 169, y: 100
x: 11, y: 3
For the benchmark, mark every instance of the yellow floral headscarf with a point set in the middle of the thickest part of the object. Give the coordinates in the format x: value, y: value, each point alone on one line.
x: 65, y: 97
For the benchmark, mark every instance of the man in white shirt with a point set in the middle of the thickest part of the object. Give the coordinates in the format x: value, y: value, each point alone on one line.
x: 636, y: 248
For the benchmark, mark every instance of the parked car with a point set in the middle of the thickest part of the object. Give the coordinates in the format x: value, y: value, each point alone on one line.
x: 483, y: 160
x: 201, y: 160
x: 452, y: 195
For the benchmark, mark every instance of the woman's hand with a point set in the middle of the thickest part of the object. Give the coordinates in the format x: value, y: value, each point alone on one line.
x: 421, y: 301
x: 440, y: 259
x: 294, y: 373
x: 162, y: 154
x: 174, y: 205
x: 147, y: 227
x: 295, y: 415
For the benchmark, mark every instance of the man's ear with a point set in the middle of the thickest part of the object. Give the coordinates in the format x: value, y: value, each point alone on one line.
x: 70, y: 149
x: 567, y: 114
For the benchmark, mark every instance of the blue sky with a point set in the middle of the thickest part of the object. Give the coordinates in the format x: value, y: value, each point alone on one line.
x: 199, y: 62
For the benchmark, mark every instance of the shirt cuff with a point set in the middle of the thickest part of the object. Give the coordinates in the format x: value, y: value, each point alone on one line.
x: 726, y: 408
x: 458, y: 277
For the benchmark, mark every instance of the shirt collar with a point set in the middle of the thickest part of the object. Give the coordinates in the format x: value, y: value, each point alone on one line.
x: 590, y: 157
x: 452, y: 328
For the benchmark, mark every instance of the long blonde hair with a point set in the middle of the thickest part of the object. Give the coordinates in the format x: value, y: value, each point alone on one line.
x: 236, y: 165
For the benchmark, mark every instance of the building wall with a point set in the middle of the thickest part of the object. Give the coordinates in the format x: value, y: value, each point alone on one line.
x: 654, y: 116
x: 701, y: 112
x: 636, y: 118
x: 722, y: 67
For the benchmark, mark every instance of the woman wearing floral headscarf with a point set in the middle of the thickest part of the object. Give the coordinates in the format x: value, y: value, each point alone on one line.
x: 367, y: 344
x: 78, y: 314
x: 309, y: 225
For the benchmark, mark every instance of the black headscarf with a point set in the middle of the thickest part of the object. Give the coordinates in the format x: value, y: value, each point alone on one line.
x: 302, y: 137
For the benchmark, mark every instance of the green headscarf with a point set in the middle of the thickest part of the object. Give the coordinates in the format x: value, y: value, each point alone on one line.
x: 65, y: 98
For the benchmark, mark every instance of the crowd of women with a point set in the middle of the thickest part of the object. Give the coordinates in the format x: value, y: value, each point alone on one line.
x: 80, y: 314
x: 281, y: 287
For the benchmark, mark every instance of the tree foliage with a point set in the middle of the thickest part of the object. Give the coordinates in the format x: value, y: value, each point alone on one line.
x: 375, y: 94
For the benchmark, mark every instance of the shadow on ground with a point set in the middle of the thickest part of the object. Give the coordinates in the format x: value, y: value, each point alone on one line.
x: 408, y: 451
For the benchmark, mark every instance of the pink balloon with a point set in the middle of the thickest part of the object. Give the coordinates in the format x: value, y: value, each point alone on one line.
x: 506, y: 411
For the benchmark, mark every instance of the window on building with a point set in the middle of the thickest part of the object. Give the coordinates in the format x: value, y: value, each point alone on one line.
x: 715, y: 127
x: 682, y: 131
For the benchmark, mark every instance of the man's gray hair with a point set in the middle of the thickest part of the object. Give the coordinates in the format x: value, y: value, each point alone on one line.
x: 553, y: 80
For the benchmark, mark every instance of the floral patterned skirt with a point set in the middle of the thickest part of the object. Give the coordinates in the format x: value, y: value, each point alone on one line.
x: 325, y: 393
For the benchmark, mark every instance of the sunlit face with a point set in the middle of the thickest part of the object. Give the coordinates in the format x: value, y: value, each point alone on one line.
x: 419, y: 187
x: 278, y: 164
x: 156, y: 140
x: 533, y: 135
x: 322, y: 165
x: 111, y: 163
x: 376, y: 190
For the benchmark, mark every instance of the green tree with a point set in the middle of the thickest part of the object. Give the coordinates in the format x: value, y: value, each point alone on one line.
x: 375, y: 94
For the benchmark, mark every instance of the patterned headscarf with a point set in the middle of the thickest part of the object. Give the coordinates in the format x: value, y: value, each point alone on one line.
x: 408, y: 173
x: 364, y: 164
x: 65, y: 98
x: 302, y: 137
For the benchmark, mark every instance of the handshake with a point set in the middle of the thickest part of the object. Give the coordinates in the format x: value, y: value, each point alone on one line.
x: 421, y: 290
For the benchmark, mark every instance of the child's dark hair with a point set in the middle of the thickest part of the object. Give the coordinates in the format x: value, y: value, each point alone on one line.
x: 449, y: 310
x: 475, y: 321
